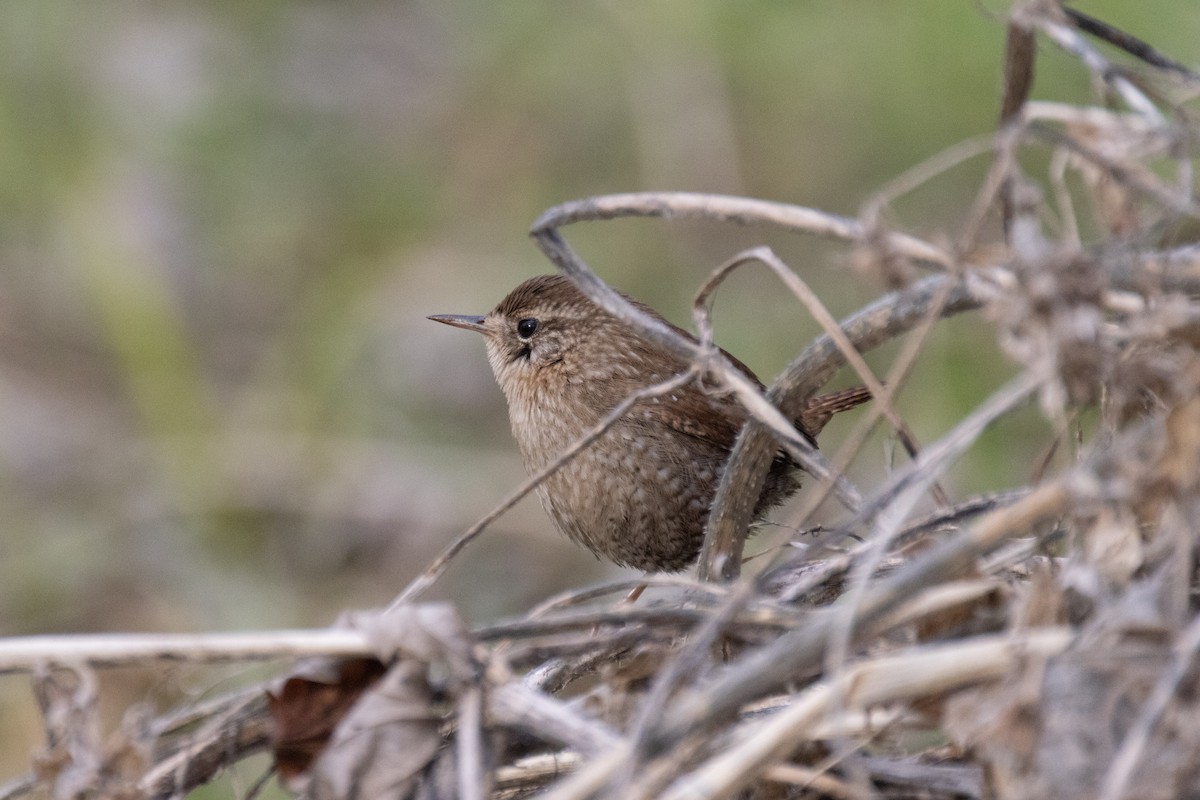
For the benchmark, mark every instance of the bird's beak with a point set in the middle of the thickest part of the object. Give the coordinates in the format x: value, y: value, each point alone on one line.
x: 460, y: 321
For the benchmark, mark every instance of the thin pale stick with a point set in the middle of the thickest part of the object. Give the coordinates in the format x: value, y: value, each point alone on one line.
x: 1068, y: 39
x: 971, y: 507
x: 591, y: 776
x: 620, y: 614
x: 881, y: 395
x: 576, y: 597
x: 900, y: 494
x: 916, y: 673
x: 1102, y: 68
x: 998, y: 176
x: 740, y: 210
x: 703, y: 318
x: 27, y: 653
x: 799, y: 651
x: 688, y: 662
x: 1133, y: 747
x: 514, y: 704
x: 473, y: 779
x: 203, y: 758
x: 1062, y: 198
x: 1135, y: 176
x: 532, y: 772
x: 19, y: 787
x: 805, y: 778
x: 895, y: 380
x: 916, y: 176
x: 938, y: 456
x: 745, y: 472
x: 840, y: 563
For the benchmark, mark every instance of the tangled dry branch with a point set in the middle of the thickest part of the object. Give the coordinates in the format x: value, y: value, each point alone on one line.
x: 1032, y: 642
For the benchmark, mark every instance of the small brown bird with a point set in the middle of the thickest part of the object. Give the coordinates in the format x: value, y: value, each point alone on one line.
x: 640, y: 494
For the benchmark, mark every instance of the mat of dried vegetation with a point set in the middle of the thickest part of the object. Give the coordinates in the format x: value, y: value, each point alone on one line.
x: 1036, y: 641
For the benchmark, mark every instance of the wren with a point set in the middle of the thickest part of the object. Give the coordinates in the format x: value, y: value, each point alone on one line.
x: 640, y: 494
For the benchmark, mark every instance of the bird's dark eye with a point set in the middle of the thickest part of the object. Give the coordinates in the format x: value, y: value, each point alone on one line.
x: 526, y: 328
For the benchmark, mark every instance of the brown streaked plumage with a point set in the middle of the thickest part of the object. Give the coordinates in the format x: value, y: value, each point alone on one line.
x: 640, y: 494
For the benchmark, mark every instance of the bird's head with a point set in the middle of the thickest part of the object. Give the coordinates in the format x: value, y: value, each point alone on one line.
x: 535, y: 331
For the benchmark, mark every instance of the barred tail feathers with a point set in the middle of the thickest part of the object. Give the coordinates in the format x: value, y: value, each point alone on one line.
x: 819, y: 410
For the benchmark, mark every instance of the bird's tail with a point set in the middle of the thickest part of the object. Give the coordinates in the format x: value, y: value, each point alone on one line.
x: 820, y: 409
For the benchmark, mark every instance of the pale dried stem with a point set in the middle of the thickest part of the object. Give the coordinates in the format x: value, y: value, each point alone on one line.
x: 895, y: 502
x: 1131, y: 754
x: 239, y: 732
x: 577, y: 597
x: 27, y: 653
x: 744, y: 474
x: 834, y: 565
x: 938, y: 599
x: 815, y: 780
x: 514, y: 704
x: 1130, y: 174
x: 894, y: 381
x: 903, y: 488
x: 19, y: 787
x: 918, y: 672
x: 841, y: 562
x: 1062, y: 197
x: 592, y: 776
x: 533, y: 772
x: 646, y: 780
x: 689, y: 663
x: 881, y: 395
x: 474, y: 778
x: 1102, y: 69
x: 1098, y: 117
x: 800, y: 650
x: 563, y: 668
x: 917, y: 176
x: 999, y: 173
x: 964, y: 510
x: 703, y: 319
x: 739, y: 210
x: 666, y: 615
x: 1069, y: 40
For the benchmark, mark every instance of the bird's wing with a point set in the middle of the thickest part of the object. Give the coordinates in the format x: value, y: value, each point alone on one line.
x: 715, y: 419
x: 690, y: 408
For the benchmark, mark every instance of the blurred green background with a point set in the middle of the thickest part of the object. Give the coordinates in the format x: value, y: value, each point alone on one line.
x: 222, y: 226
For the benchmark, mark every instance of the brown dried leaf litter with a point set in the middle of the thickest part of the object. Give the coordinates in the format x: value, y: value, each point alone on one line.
x: 1039, y: 641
